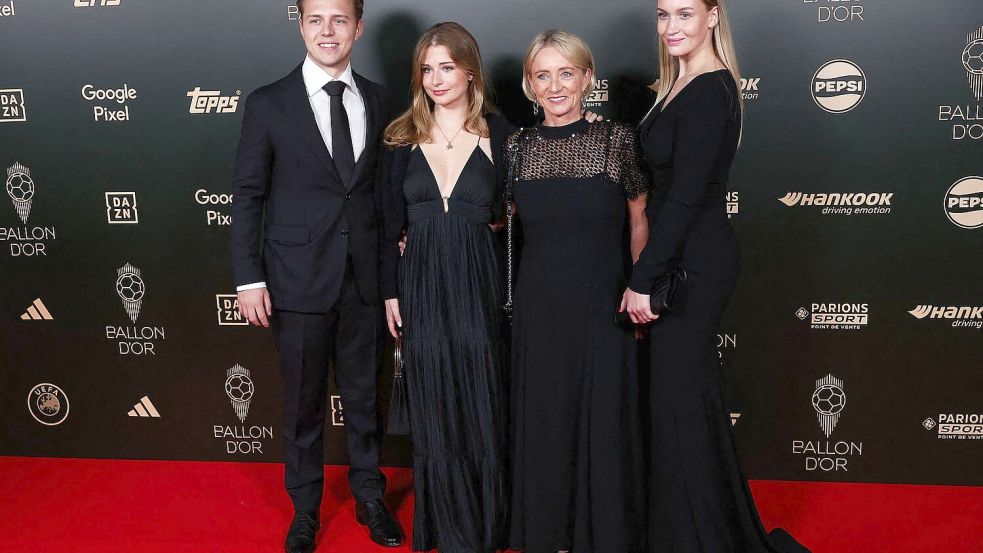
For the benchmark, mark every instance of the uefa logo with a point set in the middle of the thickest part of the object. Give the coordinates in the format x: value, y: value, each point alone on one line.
x: 964, y: 203
x: 839, y: 86
x: 48, y: 404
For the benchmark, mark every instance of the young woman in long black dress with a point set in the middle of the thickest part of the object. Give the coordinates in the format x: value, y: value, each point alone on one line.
x: 445, y: 293
x: 576, y: 464
x: 699, y: 501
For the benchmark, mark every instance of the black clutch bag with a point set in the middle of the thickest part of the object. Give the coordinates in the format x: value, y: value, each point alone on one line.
x: 399, y: 416
x: 663, y: 294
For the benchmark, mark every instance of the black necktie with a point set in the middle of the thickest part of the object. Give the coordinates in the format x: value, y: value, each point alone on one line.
x: 341, y: 134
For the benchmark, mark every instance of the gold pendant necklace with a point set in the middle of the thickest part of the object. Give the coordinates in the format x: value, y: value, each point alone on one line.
x: 449, y: 145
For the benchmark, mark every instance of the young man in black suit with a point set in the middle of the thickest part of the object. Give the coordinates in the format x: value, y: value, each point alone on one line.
x: 305, y: 257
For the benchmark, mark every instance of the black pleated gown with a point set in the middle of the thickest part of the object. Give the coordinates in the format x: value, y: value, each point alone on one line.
x: 451, y: 296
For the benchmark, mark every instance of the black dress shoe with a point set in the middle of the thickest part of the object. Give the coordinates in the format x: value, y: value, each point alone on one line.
x: 302, y: 533
x: 383, y: 528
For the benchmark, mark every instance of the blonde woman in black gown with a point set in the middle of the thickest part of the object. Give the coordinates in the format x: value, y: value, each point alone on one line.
x: 445, y: 293
x: 576, y: 467
x: 699, y: 501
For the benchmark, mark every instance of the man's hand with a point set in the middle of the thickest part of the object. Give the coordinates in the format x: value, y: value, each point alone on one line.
x: 255, y: 305
x: 393, y: 319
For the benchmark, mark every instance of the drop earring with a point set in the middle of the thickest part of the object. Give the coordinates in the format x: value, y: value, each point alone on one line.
x: 535, y: 108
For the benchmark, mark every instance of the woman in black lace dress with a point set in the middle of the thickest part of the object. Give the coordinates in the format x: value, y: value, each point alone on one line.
x: 576, y: 468
x: 445, y: 293
x: 699, y: 500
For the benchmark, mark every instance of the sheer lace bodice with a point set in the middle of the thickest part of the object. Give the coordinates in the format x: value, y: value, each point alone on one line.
x: 580, y: 150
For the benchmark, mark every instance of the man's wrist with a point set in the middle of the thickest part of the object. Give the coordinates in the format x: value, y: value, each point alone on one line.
x: 251, y: 286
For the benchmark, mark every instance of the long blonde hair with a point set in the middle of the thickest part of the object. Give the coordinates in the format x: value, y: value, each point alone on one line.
x: 723, y: 46
x: 415, y: 124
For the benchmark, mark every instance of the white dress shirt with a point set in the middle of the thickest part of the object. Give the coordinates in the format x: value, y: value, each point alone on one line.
x: 314, y: 80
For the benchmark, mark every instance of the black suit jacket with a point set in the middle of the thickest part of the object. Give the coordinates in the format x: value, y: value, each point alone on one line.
x: 294, y: 221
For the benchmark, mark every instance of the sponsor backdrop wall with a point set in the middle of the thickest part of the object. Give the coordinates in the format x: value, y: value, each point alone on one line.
x: 852, y: 350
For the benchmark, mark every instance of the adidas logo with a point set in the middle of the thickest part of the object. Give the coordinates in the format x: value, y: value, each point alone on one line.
x: 37, y: 312
x: 144, y: 409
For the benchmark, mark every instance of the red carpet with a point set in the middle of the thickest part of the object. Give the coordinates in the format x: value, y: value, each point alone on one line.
x: 77, y: 506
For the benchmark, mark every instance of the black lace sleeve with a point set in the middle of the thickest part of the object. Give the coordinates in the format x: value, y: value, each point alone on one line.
x: 509, y: 149
x: 503, y: 137
x: 625, y: 165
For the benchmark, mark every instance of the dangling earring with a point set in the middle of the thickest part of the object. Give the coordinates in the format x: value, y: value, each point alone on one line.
x: 583, y: 104
x: 535, y: 107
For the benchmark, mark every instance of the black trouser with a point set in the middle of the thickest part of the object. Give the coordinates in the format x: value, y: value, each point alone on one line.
x: 350, y: 336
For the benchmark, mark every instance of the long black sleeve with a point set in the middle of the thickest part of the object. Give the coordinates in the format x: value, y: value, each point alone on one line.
x: 250, y: 189
x: 393, y: 167
x: 702, y: 129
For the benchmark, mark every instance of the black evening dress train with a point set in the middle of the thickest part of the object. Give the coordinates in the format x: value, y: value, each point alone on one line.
x: 699, y: 501
x: 577, y: 480
x: 450, y: 291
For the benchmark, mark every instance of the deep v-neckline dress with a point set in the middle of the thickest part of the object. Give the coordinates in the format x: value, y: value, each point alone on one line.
x: 450, y: 298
